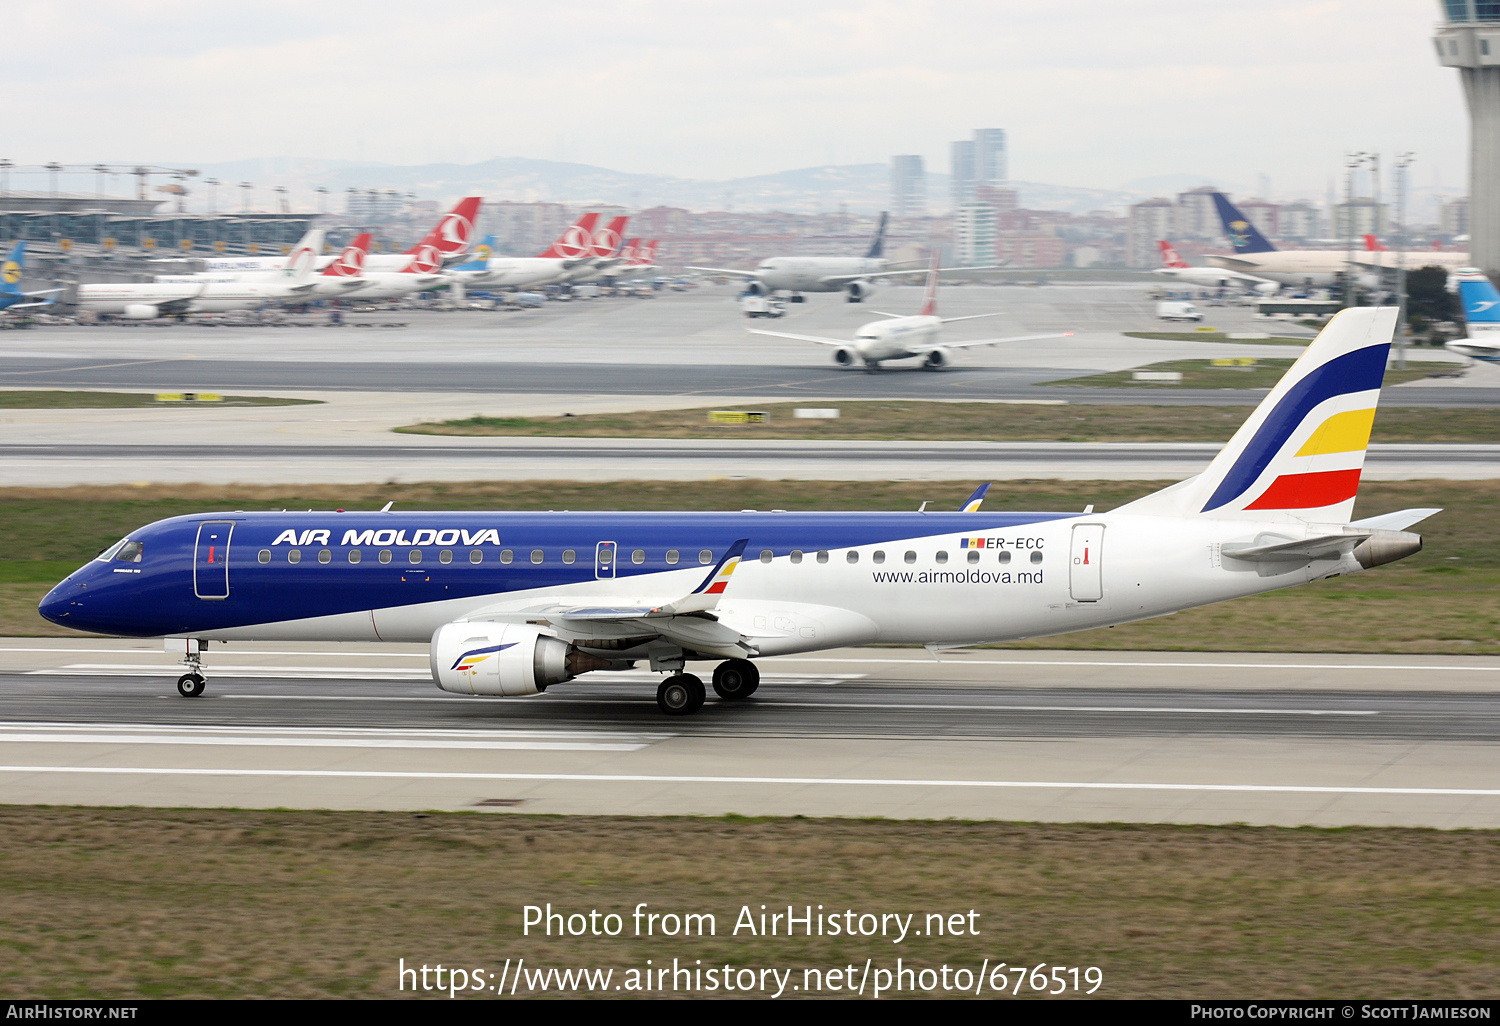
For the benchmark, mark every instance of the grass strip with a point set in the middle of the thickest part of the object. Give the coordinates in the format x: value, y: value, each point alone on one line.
x: 153, y: 903
x: 1011, y: 422
x: 1263, y: 374
x: 61, y: 399
x: 1445, y: 599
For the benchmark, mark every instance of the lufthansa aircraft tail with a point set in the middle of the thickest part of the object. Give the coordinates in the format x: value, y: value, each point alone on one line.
x: 1299, y: 457
x: 877, y: 244
x: 1243, y: 236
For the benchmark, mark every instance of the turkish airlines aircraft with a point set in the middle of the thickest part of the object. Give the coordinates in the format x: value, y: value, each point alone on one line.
x: 899, y: 337
x: 573, y: 249
x: 294, y: 282
x: 348, y: 274
x: 512, y: 604
x: 1178, y: 269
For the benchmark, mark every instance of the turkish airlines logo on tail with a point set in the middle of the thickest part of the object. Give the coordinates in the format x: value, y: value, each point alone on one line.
x: 300, y: 261
x: 574, y: 242
x: 425, y: 260
x: 1170, y: 257
x: 453, y: 233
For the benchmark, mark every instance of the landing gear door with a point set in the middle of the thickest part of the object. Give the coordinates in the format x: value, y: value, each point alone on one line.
x: 211, y: 560
x: 604, y: 560
x: 1084, y: 579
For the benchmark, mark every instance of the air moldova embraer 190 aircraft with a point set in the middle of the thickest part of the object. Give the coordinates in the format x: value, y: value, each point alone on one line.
x: 514, y: 603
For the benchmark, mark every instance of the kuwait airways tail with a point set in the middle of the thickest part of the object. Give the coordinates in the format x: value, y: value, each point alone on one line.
x: 1299, y: 457
x: 1481, y: 303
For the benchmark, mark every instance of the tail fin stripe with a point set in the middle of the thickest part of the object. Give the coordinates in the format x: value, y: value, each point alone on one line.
x: 1343, y: 432
x: 1359, y: 371
x: 1309, y: 491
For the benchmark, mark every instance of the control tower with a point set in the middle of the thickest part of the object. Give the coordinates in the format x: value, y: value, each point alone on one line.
x: 1469, y: 39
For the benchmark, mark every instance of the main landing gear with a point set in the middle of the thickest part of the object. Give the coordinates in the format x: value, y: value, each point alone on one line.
x: 683, y: 693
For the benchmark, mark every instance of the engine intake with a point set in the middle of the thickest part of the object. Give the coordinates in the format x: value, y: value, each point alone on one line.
x: 141, y: 312
x: 503, y: 659
x: 937, y: 359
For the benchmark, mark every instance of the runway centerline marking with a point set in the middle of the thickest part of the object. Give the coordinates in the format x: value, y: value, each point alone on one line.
x: 649, y: 778
x: 1145, y: 665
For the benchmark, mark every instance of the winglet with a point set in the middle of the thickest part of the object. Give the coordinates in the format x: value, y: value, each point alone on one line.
x: 972, y: 503
x: 707, y: 594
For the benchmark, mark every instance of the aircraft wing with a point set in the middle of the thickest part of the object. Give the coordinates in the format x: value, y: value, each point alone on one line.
x: 724, y: 270
x: 1236, y: 265
x: 839, y: 279
x: 990, y: 341
x: 688, y: 621
x: 803, y: 338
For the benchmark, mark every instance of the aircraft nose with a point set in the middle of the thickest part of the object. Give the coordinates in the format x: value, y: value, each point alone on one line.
x: 57, y: 603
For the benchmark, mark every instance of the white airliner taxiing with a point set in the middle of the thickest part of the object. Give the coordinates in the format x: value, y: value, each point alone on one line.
x: 573, y: 250
x: 855, y: 277
x: 1481, y: 303
x: 1178, y: 269
x: 516, y: 603
x: 899, y: 337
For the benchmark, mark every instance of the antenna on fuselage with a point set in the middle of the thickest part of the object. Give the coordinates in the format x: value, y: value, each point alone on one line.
x: 387, y: 507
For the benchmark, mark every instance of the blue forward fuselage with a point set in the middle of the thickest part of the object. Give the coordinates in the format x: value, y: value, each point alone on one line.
x: 215, y: 572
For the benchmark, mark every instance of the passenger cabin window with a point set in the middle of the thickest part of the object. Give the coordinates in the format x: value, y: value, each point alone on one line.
x: 796, y: 555
x: 673, y: 556
x: 973, y: 555
x: 1005, y: 555
x: 354, y: 556
x: 853, y: 556
x: 446, y: 556
x: 324, y: 556
x: 1036, y: 555
x: 505, y: 556
x: 536, y: 555
x: 705, y: 556
x: 878, y: 556
x: 294, y: 556
x: 766, y: 555
x: 130, y: 552
x: 823, y: 556
x: 264, y: 555
x: 638, y: 556
x: 569, y: 556
x: 385, y: 555
x: 942, y: 557
x: 475, y: 556
x: 414, y: 556
x: 910, y: 557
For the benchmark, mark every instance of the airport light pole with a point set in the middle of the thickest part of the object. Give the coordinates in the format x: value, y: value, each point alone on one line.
x: 1352, y: 163
x: 245, y: 197
x: 1403, y: 161
x: 213, y: 194
x: 5, y: 166
x: 53, y: 168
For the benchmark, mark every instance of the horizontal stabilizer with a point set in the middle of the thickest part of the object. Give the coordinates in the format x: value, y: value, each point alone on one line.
x: 1399, y: 521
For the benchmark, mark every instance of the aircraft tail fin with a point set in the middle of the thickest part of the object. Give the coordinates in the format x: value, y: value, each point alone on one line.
x: 606, y: 242
x: 1169, y: 255
x: 1300, y: 454
x: 350, y: 263
x: 302, y: 261
x: 451, y: 235
x: 479, y: 259
x: 575, y: 240
x: 877, y: 244
x: 1243, y: 236
x: 1372, y: 245
x: 929, y: 304
x: 13, y: 270
x: 1480, y: 298
x: 973, y: 502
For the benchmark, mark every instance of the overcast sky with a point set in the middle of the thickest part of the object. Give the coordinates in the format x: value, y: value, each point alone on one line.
x: 1093, y: 93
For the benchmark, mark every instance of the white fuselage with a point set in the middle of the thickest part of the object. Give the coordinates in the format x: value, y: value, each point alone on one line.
x: 1483, y: 342
x: 808, y: 274
x: 522, y: 272
x: 896, y: 338
x: 392, y: 284
x: 185, y: 297
x: 1213, y: 277
x: 1324, y: 267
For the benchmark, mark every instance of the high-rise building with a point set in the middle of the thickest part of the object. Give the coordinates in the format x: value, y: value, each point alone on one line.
x: 908, y: 186
x: 1197, y: 216
x: 1470, y: 41
x: 974, y: 234
x: 991, y: 162
x: 961, y: 172
x: 1299, y: 221
x: 1150, y: 222
x: 1453, y: 217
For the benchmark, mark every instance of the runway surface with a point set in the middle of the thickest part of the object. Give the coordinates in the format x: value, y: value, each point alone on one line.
x: 1264, y: 738
x: 433, y: 458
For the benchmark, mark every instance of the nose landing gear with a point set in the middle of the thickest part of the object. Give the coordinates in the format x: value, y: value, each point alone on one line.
x: 192, y: 683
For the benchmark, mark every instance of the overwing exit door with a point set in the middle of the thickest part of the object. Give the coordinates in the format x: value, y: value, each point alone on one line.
x: 1084, y: 579
x: 604, y: 560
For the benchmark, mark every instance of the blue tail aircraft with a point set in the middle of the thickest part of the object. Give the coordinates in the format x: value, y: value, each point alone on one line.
x: 11, y: 272
x: 1243, y: 236
x: 1481, y: 303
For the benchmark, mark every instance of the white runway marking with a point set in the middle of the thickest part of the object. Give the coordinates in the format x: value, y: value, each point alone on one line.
x: 645, y: 778
x: 1200, y: 666
x: 287, y: 672
x: 317, y: 737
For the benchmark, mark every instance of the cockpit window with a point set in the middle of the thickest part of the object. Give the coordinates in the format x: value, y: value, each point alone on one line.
x: 124, y: 550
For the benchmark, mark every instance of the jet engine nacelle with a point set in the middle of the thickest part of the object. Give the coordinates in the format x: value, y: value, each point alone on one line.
x: 503, y: 659
x: 756, y: 287
x: 857, y: 291
x: 141, y: 312
x: 844, y: 356
x: 1268, y: 288
x: 937, y: 359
